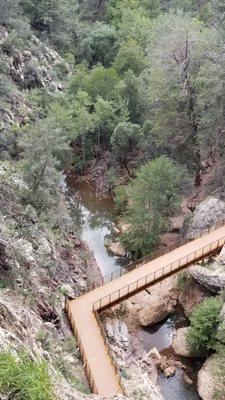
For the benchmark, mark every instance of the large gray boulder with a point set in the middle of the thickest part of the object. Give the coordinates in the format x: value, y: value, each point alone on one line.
x: 207, y: 214
x: 208, y: 380
x: 212, y: 278
x: 155, y: 310
x: 179, y: 343
x: 139, y: 386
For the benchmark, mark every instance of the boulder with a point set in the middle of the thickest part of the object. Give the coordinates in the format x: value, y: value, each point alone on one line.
x: 25, y: 250
x: 221, y: 258
x: 208, y: 381
x: 68, y: 290
x: 117, y: 249
x: 27, y: 55
x: 212, y: 278
x: 44, y: 249
x: 179, y: 343
x: 207, y: 214
x: 154, y: 353
x: 170, y: 371
x: 155, y: 310
x: 139, y: 386
x: 187, y: 380
x: 117, y: 330
x: 191, y: 298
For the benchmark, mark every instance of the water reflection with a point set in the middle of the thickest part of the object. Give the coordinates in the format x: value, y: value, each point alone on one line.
x: 93, y: 220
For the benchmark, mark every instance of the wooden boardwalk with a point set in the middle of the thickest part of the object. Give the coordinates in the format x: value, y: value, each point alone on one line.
x: 82, y: 312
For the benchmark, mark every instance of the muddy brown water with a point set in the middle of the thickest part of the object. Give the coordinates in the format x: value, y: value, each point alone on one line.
x: 93, y: 221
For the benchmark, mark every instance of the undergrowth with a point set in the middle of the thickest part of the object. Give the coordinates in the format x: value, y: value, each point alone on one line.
x: 24, y: 379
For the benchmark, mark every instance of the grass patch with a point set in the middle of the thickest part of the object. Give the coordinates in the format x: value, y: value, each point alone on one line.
x: 23, y: 379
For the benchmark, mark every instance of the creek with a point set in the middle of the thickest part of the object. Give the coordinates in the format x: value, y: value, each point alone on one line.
x: 94, y: 219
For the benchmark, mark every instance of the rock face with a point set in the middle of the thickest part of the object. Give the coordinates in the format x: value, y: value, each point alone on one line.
x: 192, y: 296
x: 155, y: 310
x: 206, y: 215
x: 150, y: 307
x: 138, y: 371
x: 222, y: 256
x: 212, y: 278
x: 179, y: 343
x: 117, y: 330
x: 139, y: 386
x: 117, y: 249
x: 208, y: 383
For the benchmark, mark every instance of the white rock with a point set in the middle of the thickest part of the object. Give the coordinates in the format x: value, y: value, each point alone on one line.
x: 25, y: 249
x: 208, y: 382
x: 212, y: 278
x: 154, y: 353
x: 155, y: 310
x: 109, y: 327
x: 222, y: 256
x: 206, y: 215
x: 117, y: 249
x: 179, y: 343
x: 68, y: 290
x: 45, y: 248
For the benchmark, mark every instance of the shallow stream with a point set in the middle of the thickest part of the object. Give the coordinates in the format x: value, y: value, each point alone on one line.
x: 93, y: 218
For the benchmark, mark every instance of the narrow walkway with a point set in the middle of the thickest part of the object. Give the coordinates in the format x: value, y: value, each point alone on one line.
x: 82, y: 312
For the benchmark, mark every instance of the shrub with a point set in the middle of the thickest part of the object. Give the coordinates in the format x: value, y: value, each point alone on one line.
x: 24, y: 379
x: 121, y: 199
x: 6, y: 86
x: 61, y: 69
x: 32, y: 76
x: 202, y: 335
x: 184, y: 282
x: 11, y: 43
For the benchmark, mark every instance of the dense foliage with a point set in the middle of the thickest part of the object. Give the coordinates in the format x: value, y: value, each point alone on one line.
x: 202, y: 334
x: 151, y: 198
x: 141, y: 79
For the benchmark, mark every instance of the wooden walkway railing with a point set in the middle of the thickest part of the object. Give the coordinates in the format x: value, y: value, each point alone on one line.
x: 83, y: 312
x: 152, y: 256
x: 124, y: 292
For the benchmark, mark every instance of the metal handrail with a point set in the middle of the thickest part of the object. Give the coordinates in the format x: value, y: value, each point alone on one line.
x: 152, y: 256
x: 100, y: 303
x: 82, y: 352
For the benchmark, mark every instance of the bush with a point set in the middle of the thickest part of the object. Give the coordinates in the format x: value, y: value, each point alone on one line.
x: 121, y: 199
x: 11, y: 43
x: 61, y: 69
x: 6, y: 86
x: 32, y: 76
x: 202, y: 335
x: 24, y: 379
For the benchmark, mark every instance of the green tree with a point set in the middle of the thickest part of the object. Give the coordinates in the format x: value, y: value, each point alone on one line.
x: 130, y: 56
x: 153, y: 197
x: 179, y: 48
x: 202, y: 334
x: 103, y: 82
x: 8, y: 9
x: 124, y: 138
x: 98, y: 44
x: 43, y: 153
x: 115, y: 8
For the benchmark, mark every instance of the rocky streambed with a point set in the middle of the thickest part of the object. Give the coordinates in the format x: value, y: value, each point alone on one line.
x: 140, y: 330
x: 149, y: 335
